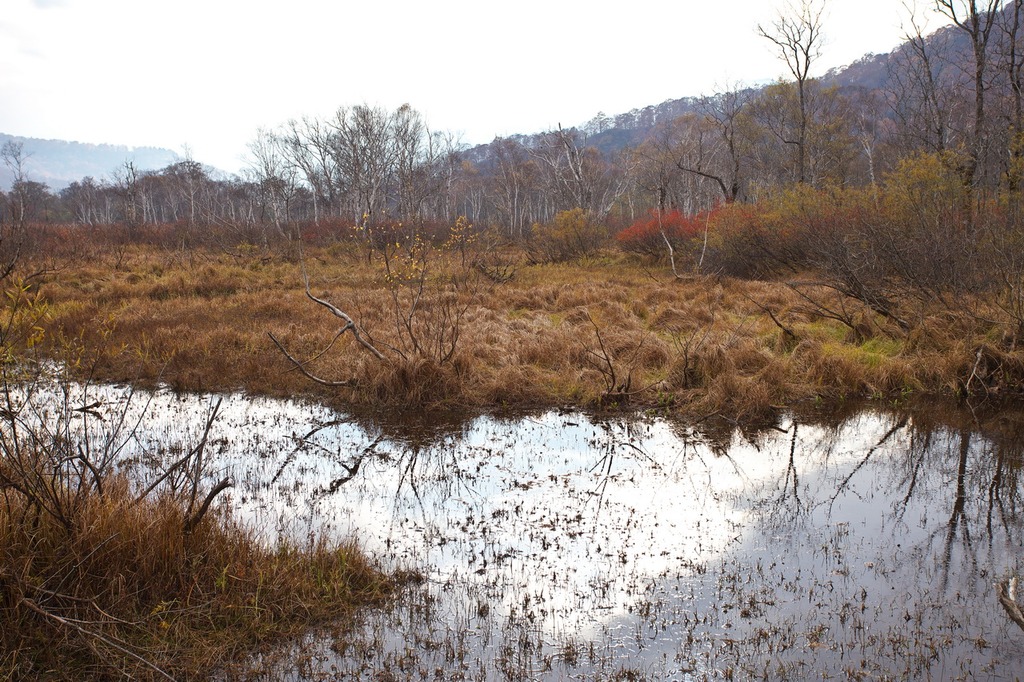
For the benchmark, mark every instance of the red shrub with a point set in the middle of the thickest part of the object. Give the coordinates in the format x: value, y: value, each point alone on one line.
x: 648, y: 236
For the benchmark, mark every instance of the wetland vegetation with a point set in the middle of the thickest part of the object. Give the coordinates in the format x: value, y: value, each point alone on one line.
x: 608, y: 331
x: 695, y: 477
x: 742, y: 400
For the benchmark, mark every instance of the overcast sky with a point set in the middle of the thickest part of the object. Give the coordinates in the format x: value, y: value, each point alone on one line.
x: 208, y: 73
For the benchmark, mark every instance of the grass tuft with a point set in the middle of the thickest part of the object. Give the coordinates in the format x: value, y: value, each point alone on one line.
x: 126, y: 592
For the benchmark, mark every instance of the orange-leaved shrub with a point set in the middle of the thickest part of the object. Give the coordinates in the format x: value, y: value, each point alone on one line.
x: 572, y: 235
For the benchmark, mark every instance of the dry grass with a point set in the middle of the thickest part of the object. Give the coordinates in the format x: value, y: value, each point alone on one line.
x: 125, y: 592
x: 606, y: 333
x: 105, y: 577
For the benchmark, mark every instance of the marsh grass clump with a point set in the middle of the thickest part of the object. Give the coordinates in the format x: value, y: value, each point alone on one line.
x: 126, y: 590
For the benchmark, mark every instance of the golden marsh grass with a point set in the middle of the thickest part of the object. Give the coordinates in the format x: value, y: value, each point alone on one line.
x: 609, y: 332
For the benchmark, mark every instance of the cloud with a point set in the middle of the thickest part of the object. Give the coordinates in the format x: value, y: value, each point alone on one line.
x: 47, y: 4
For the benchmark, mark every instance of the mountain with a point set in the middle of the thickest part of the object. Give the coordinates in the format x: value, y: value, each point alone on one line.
x: 58, y: 163
x: 871, y: 73
x: 613, y: 133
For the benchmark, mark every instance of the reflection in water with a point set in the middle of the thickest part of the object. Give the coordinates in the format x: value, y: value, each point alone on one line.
x: 560, y: 546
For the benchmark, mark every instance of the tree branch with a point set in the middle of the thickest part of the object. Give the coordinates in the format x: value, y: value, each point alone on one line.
x: 89, y: 633
x: 349, y: 324
x: 1007, y: 593
x: 299, y: 366
x: 198, y: 516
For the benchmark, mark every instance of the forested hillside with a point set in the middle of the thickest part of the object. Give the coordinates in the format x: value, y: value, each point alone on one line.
x: 57, y: 163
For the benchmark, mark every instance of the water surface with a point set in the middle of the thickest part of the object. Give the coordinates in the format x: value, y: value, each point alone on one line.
x: 567, y: 546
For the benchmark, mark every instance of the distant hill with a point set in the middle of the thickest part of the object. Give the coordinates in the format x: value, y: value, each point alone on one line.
x: 613, y: 133
x: 59, y: 163
x: 610, y: 134
x: 870, y: 73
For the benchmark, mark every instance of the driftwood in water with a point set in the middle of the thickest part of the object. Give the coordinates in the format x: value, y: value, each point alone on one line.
x: 1007, y: 593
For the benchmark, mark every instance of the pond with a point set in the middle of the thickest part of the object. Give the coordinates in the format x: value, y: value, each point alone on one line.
x: 570, y: 546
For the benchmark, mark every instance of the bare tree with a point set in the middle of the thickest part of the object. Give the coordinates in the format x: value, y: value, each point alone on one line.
x: 725, y: 110
x: 578, y: 174
x: 13, y: 156
x: 438, y: 175
x: 274, y: 176
x: 797, y: 37
x: 977, y: 22
x: 186, y: 181
x: 126, y: 180
x: 1013, y: 61
x: 308, y: 146
x: 82, y: 201
x: 514, y: 180
x: 12, y: 237
x: 655, y: 167
x: 409, y: 137
x: 919, y: 92
x: 367, y: 157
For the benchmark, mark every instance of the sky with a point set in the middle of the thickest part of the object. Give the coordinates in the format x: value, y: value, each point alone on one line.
x: 207, y: 74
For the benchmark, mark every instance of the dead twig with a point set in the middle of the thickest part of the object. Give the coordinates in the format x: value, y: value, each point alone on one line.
x: 349, y: 326
x: 617, y: 389
x: 194, y: 520
x: 302, y: 368
x: 787, y: 334
x: 32, y: 606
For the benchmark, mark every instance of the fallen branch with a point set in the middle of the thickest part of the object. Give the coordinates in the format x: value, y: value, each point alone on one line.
x: 603, y: 362
x: 302, y: 368
x: 194, y: 452
x: 788, y: 334
x: 979, y: 356
x: 89, y: 633
x: 497, y: 273
x: 200, y: 450
x: 349, y: 324
x: 198, y: 516
x: 1007, y: 593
